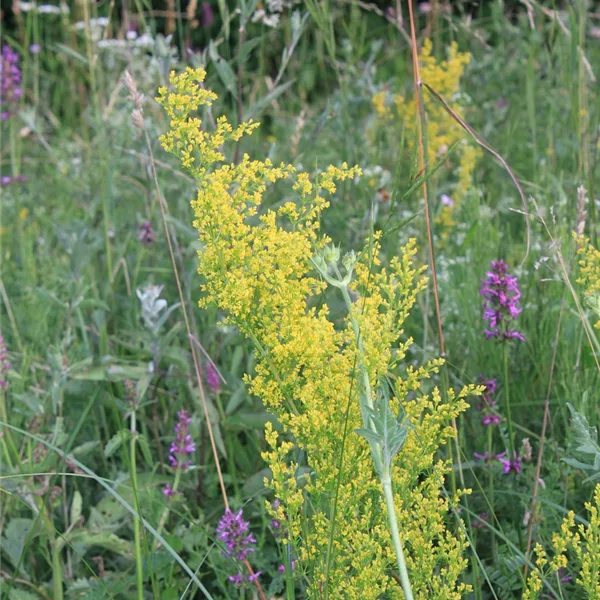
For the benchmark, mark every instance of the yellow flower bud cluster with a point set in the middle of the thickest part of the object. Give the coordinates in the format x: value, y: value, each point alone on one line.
x: 579, y: 543
x: 256, y: 265
x: 443, y: 132
x: 589, y: 274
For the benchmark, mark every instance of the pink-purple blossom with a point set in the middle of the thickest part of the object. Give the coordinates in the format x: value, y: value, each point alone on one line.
x: 490, y: 419
x: 212, y: 377
x: 183, y: 445
x: 501, y: 302
x: 447, y: 200
x: 7, y: 179
x: 488, y: 403
x: 10, y: 82
x: 169, y: 491
x: 235, y: 534
x: 510, y: 465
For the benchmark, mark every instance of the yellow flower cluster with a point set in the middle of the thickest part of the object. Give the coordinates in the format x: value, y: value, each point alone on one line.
x: 583, y: 541
x: 589, y: 274
x: 443, y: 132
x: 256, y: 266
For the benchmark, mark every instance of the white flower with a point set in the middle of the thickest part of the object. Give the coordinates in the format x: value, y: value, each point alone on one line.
x: 50, y: 9
x: 272, y: 20
x: 258, y: 15
x: 44, y: 9
x: 112, y: 43
x: 152, y: 306
x: 131, y: 35
x: 145, y: 40
x: 275, y: 5
x: 98, y: 23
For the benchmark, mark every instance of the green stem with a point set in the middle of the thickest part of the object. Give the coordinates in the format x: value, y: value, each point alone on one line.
x: 136, y: 523
x: 491, y: 493
x: 167, y: 510
x: 511, y: 438
x: 8, y: 442
x: 57, y: 571
x: 382, y: 468
x: 386, y: 482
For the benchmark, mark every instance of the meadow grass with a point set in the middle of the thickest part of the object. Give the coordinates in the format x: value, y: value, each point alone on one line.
x: 302, y: 392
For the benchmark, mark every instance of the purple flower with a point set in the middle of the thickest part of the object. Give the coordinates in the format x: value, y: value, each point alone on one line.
x: 169, y: 491
x: 510, y: 465
x: 35, y: 48
x: 235, y: 534
x: 490, y: 387
x: 281, y: 568
x: 10, y: 81
x: 483, y: 457
x: 212, y: 377
x: 206, y: 15
x: 491, y: 419
x: 237, y: 579
x: 488, y: 404
x: 447, y: 201
x: 253, y: 577
x: 501, y: 302
x: 4, y: 365
x: 145, y: 233
x: 5, y: 180
x: 183, y: 444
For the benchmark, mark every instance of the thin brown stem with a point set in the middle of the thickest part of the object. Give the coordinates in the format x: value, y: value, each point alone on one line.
x: 162, y: 203
x: 422, y: 165
x: 496, y: 154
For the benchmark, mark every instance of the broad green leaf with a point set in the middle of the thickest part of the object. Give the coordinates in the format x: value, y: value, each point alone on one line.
x: 76, y: 506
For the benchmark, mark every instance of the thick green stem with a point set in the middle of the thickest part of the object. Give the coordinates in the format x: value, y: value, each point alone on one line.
x: 382, y: 469
x: 386, y: 482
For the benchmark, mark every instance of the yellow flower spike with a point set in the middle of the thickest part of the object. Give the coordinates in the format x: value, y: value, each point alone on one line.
x: 256, y: 265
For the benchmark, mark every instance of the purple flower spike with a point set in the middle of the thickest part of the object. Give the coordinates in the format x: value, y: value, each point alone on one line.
x: 235, y: 534
x: 183, y: 444
x: 483, y: 457
x: 501, y: 302
x: 212, y: 378
x: 206, y: 15
x: 510, y: 465
x: 10, y: 81
x: 4, y: 365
